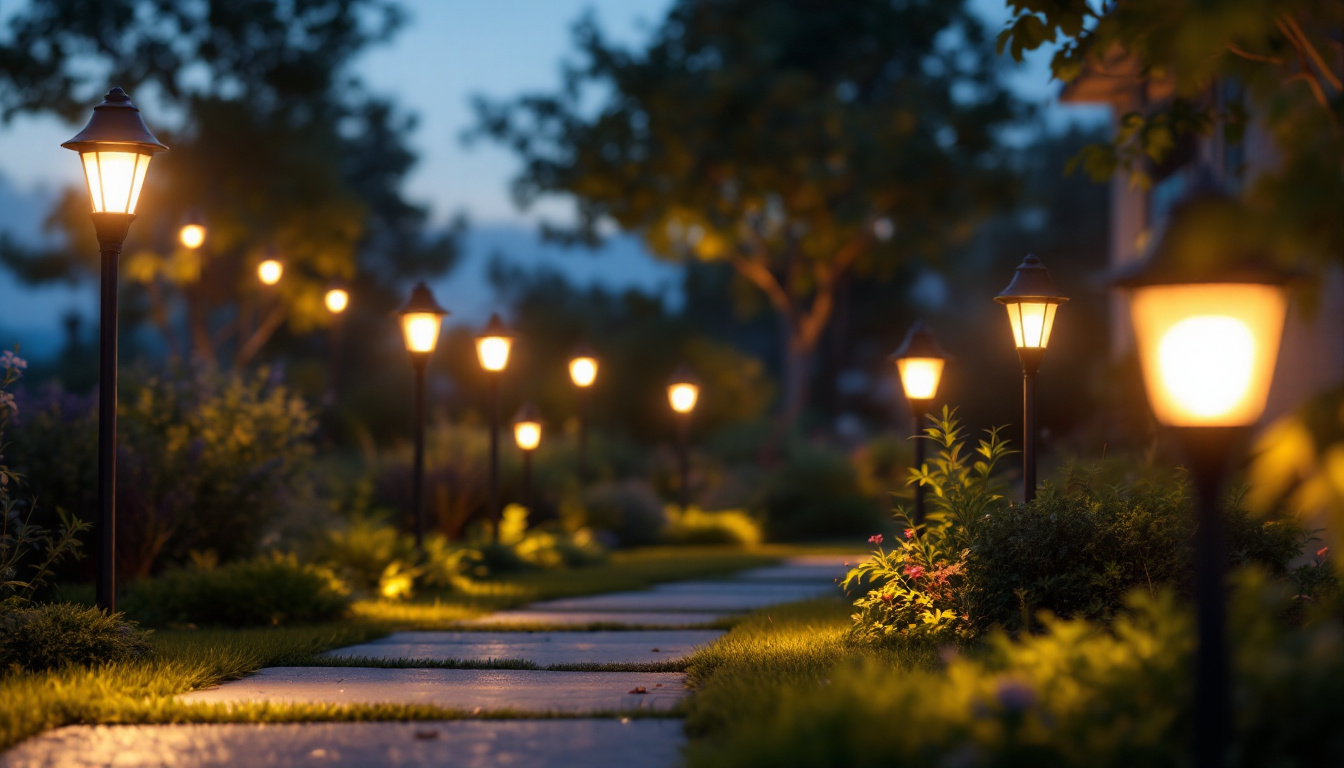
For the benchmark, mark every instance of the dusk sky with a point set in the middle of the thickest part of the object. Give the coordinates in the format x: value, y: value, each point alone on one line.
x: 450, y: 51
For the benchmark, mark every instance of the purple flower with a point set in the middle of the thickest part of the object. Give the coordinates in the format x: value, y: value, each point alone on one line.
x: 12, y: 362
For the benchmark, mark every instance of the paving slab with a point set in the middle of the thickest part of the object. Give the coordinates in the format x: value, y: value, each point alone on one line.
x: 648, y: 743
x: 524, y: 617
x: 541, y: 648
x: 695, y: 597
x: 468, y: 689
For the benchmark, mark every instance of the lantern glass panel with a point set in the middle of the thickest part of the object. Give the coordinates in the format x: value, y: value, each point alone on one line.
x: 682, y: 397
x: 192, y: 236
x: 1032, y: 322
x: 115, y: 179
x: 421, y: 331
x: 493, y: 352
x: 337, y: 300
x: 583, y: 370
x: 920, y: 376
x: 1208, y: 350
x: 527, y: 434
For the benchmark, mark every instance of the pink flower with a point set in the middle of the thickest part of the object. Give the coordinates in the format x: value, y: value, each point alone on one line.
x: 875, y: 539
x: 886, y: 598
x: 1322, y: 552
x: 913, y: 571
x: 909, y: 533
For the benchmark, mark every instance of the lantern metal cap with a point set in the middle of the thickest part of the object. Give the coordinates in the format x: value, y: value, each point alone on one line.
x: 683, y: 375
x: 583, y: 350
x: 495, y: 328
x: 528, y: 412
x: 920, y: 342
x: 1210, y: 237
x: 193, y: 217
x: 1030, y: 281
x: 421, y: 302
x: 116, y: 121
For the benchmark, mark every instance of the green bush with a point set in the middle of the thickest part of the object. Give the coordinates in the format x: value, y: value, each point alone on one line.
x: 630, y: 511
x: 45, y: 637
x: 696, y: 527
x: 206, y: 461
x: 267, y: 590
x: 1079, y: 694
x: 1079, y: 553
x: 816, y: 495
x: 361, y: 553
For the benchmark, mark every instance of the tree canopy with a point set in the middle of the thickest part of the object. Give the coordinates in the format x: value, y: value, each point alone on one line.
x: 802, y: 142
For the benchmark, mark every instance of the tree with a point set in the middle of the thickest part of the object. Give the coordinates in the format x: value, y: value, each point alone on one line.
x: 278, y: 147
x: 803, y: 142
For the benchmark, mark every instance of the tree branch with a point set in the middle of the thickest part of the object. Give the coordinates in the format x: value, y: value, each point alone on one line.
x: 268, y: 326
x: 1245, y: 54
x: 1299, y: 39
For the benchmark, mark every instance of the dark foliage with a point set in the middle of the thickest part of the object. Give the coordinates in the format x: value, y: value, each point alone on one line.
x: 49, y: 636
x: 816, y: 494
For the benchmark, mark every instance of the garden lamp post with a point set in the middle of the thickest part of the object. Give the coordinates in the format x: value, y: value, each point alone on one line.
x: 1208, y: 339
x: 682, y: 392
x: 583, y: 372
x: 192, y: 234
x: 527, y: 434
x: 270, y: 271
x: 115, y: 149
x: 919, y: 362
x: 337, y: 300
x: 1032, y: 301
x: 492, y: 349
x: 421, y: 317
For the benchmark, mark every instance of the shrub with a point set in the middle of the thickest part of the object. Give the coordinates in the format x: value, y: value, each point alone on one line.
x: 268, y: 590
x: 361, y: 553
x: 697, y: 527
x: 1079, y: 553
x: 629, y: 510
x: 816, y: 494
x: 45, y: 637
x: 206, y: 461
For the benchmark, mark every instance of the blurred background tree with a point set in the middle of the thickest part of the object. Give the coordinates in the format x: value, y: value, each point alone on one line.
x: 803, y: 143
x: 275, y: 144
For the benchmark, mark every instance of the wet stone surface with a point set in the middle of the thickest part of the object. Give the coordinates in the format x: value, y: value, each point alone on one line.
x: 541, y: 648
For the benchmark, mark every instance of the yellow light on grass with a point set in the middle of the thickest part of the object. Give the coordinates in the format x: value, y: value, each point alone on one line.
x: 115, y: 179
x: 682, y: 397
x: 192, y: 236
x: 920, y: 376
x: 583, y: 370
x: 1032, y: 322
x: 1208, y: 350
x: 421, y: 331
x: 493, y: 352
x: 337, y: 300
x: 527, y: 434
x: 269, y: 271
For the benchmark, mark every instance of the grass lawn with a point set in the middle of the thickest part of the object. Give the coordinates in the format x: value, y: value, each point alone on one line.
x: 187, y: 659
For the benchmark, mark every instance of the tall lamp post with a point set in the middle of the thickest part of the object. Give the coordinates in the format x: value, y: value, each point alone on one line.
x: 421, y: 317
x: 583, y: 372
x: 337, y: 300
x: 682, y: 393
x: 1208, y: 339
x: 527, y: 434
x: 1032, y: 301
x: 492, y: 349
x: 115, y: 149
x: 919, y: 362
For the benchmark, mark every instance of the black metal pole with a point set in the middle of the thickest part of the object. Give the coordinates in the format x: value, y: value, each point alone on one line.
x: 917, y: 410
x: 106, y: 596
x: 684, y: 451
x: 111, y: 229
x: 585, y: 405
x: 1031, y: 365
x: 418, y: 469
x: 527, y: 482
x: 1208, y: 452
x: 494, y: 457
x: 334, y: 362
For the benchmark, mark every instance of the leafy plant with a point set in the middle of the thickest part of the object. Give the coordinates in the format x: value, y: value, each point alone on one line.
x: 35, y: 638
x: 919, y: 587
x: 815, y: 495
x: 270, y: 590
x: 695, y: 526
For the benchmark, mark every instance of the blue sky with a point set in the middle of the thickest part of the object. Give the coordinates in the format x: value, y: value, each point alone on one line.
x: 451, y: 50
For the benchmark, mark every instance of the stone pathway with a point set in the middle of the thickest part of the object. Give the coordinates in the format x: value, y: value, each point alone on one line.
x: 616, y: 631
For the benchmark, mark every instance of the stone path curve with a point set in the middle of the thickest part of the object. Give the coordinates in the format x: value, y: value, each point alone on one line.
x: 560, y: 686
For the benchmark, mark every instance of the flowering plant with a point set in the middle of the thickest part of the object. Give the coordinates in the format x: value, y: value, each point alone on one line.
x: 917, y: 588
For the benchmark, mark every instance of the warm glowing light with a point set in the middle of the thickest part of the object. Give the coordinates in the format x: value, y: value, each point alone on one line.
x: 493, y: 352
x: 269, y: 271
x: 1031, y: 321
x: 583, y: 370
x: 337, y: 300
x: 192, y: 236
x: 115, y: 179
x: 1208, y: 350
x: 920, y: 376
x: 421, y: 331
x: 682, y: 397
x: 527, y: 434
